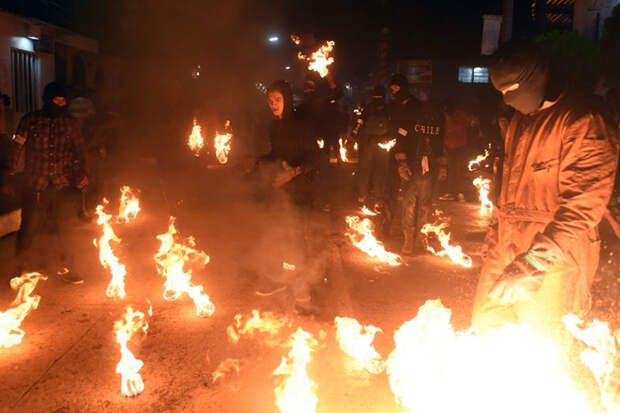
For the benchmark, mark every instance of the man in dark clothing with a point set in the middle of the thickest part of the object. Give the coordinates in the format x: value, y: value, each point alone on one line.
x: 54, y: 155
x: 421, y: 162
x: 374, y: 162
x: 559, y: 169
x: 289, y: 167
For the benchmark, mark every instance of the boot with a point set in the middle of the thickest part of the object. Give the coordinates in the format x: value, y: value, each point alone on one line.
x: 408, y: 243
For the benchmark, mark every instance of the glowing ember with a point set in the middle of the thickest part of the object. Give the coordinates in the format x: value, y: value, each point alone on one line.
x: 267, y: 324
x: 116, y: 288
x: 10, y: 320
x: 343, y: 150
x: 364, y: 239
x: 599, y: 356
x: 320, y: 143
x: 296, y: 39
x: 222, y: 145
x: 288, y: 267
x: 225, y: 367
x: 480, y: 373
x: 129, y: 206
x: 320, y: 59
x: 454, y: 252
x: 477, y: 160
x: 356, y: 340
x: 387, y: 146
x: 355, y: 147
x: 128, y: 367
x: 484, y: 187
x: 296, y: 391
x: 171, y: 259
x: 367, y: 212
x: 196, y: 141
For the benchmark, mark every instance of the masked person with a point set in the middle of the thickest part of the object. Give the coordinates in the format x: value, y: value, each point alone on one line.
x: 421, y: 164
x: 560, y: 162
x: 54, y: 154
x: 373, y: 161
x: 288, y: 168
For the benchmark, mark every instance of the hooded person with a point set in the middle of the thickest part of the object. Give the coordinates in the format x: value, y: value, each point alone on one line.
x: 54, y: 160
x: 290, y: 166
x: 541, y: 254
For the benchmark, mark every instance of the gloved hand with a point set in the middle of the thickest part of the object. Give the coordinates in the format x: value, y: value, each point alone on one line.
x: 404, y: 172
x: 522, y: 279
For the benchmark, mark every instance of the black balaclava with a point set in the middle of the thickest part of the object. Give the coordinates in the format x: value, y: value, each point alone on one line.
x: 522, y: 63
x: 51, y: 91
x: 378, y: 97
x: 283, y: 87
x: 400, y: 80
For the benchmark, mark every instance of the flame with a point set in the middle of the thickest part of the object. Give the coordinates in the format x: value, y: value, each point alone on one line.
x: 599, y: 356
x: 356, y: 341
x: 387, y: 146
x: 434, y: 369
x: 355, y: 147
x: 367, y: 212
x: 10, y: 320
x: 196, y: 141
x: 454, y: 252
x: 296, y: 391
x: 296, y: 39
x: 288, y: 267
x: 368, y: 243
x: 170, y: 261
x: 222, y: 145
x: 343, y: 150
x: 266, y: 323
x: 478, y: 159
x: 320, y: 59
x: 129, y: 206
x: 116, y: 288
x: 225, y: 367
x: 484, y: 187
x: 320, y: 143
x: 128, y: 367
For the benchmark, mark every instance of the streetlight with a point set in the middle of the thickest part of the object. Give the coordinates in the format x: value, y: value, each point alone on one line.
x: 287, y: 68
x: 274, y: 39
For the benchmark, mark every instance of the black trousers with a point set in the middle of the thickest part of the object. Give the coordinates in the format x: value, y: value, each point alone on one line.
x: 374, y: 172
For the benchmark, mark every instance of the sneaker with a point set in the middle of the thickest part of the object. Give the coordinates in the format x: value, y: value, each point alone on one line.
x: 69, y: 277
x: 267, y: 288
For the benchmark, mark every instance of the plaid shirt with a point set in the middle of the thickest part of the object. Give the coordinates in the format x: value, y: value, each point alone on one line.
x: 54, y: 150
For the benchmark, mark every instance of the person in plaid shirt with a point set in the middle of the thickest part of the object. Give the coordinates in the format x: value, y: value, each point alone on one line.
x: 54, y: 155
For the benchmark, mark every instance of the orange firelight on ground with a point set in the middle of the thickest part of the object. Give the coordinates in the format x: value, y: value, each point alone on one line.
x: 388, y: 145
x: 484, y: 187
x: 116, y: 288
x: 196, y: 141
x: 356, y: 341
x: 10, y: 320
x: 128, y: 367
x: 296, y: 392
x: 454, y: 252
x: 129, y: 206
x: 171, y: 259
x: 320, y: 59
x: 363, y: 238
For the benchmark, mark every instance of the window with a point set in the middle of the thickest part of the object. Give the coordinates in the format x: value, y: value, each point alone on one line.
x: 25, y: 71
x: 468, y: 74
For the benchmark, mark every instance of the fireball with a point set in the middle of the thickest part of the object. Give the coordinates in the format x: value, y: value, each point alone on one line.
x: 10, y: 320
x: 196, y: 141
x: 128, y: 367
x: 320, y: 59
x: 266, y: 324
x: 388, y: 145
x: 116, y: 288
x: 454, y: 252
x: 356, y: 341
x: 129, y: 206
x: 343, y: 150
x: 484, y: 187
x: 171, y: 259
x: 296, y: 392
x: 363, y: 238
x: 222, y: 145
x: 478, y: 159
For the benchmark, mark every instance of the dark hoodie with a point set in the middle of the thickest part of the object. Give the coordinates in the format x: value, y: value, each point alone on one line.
x: 288, y: 138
